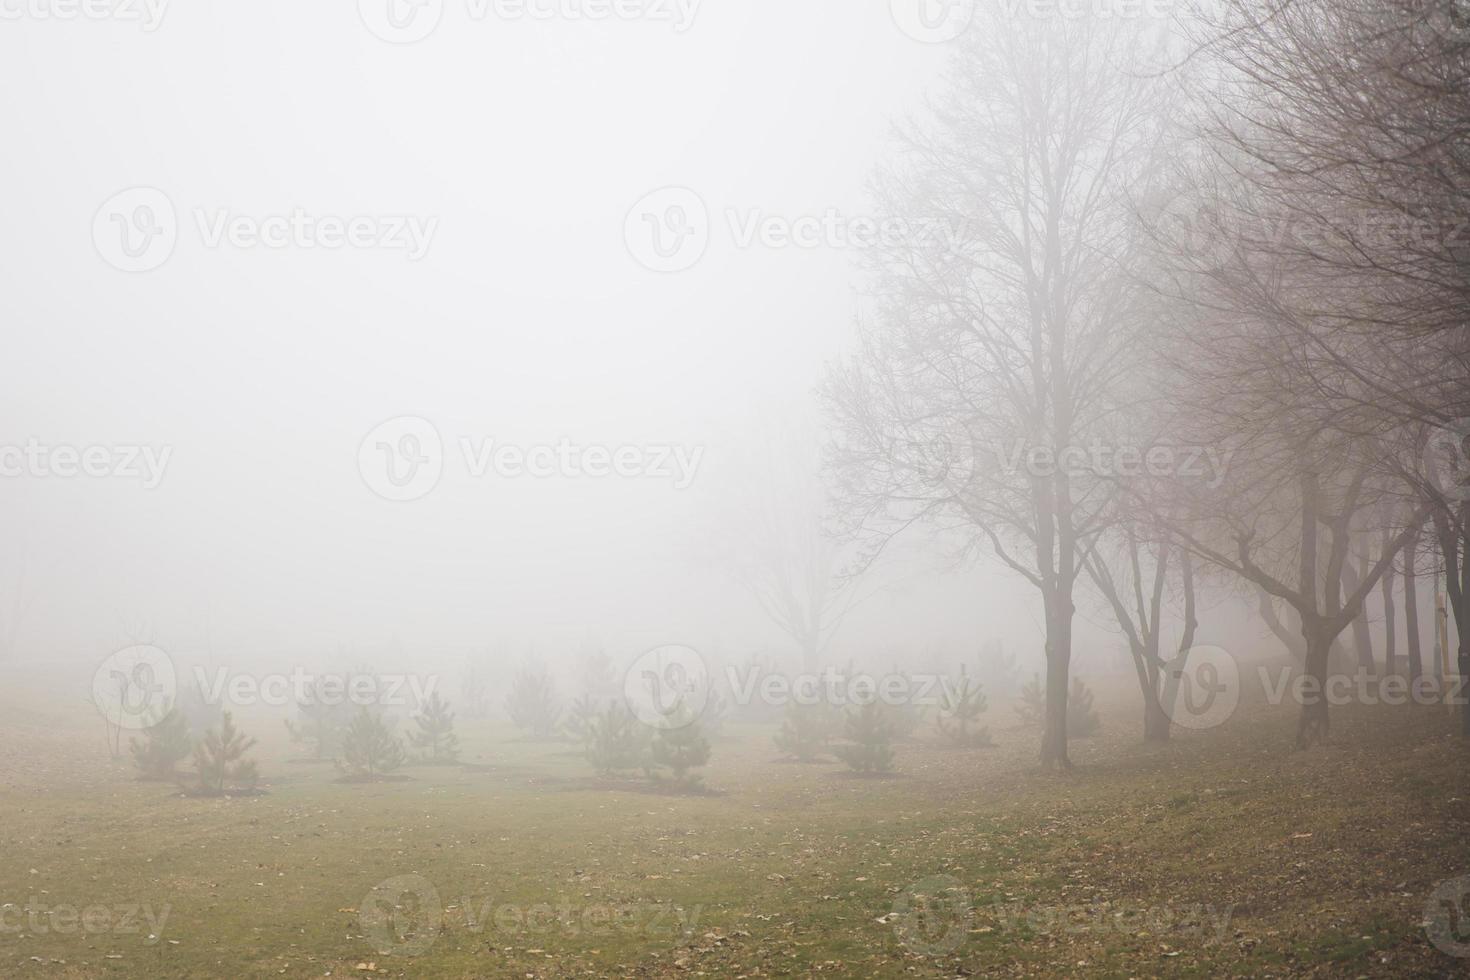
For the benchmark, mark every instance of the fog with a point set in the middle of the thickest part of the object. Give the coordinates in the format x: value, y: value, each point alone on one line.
x: 674, y: 488
x: 526, y: 321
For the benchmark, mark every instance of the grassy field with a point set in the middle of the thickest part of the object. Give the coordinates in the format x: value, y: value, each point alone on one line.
x: 1220, y: 854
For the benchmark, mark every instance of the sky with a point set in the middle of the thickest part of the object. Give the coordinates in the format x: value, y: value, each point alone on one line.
x: 179, y: 285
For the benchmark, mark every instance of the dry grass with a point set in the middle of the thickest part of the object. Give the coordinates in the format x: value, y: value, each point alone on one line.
x: 1220, y: 854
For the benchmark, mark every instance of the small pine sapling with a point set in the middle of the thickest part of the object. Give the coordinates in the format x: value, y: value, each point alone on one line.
x: 162, y: 747
x: 321, y: 722
x: 580, y: 717
x: 435, y: 738
x: 598, y: 677
x: 220, y: 760
x: 617, y: 741
x: 805, y: 731
x: 960, y: 707
x: 905, y: 716
x: 532, y: 702
x: 1032, y: 707
x: 681, y: 746
x: 869, y: 747
x: 369, y: 747
x: 200, y: 714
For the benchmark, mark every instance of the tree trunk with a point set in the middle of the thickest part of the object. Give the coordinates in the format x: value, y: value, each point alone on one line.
x: 1362, y: 637
x: 1292, y: 641
x: 1411, y: 610
x: 1155, y: 720
x: 1363, y: 644
x: 1457, y: 606
x: 1390, y: 641
x: 1054, y: 742
x: 1460, y: 690
x: 1455, y: 551
x: 1459, y: 593
x: 1156, y: 723
x: 1312, y: 725
x: 1058, y: 672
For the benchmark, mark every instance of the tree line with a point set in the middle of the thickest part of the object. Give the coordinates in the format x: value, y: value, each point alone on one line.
x: 1238, y: 236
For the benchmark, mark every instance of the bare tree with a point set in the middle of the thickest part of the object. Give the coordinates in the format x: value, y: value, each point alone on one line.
x: 1349, y: 121
x: 136, y: 631
x: 989, y: 364
x: 1284, y: 522
x: 1146, y: 581
x: 1412, y: 636
x: 778, y: 547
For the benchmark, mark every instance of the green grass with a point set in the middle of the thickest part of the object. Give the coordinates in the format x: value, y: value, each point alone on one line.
x: 1222, y: 853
